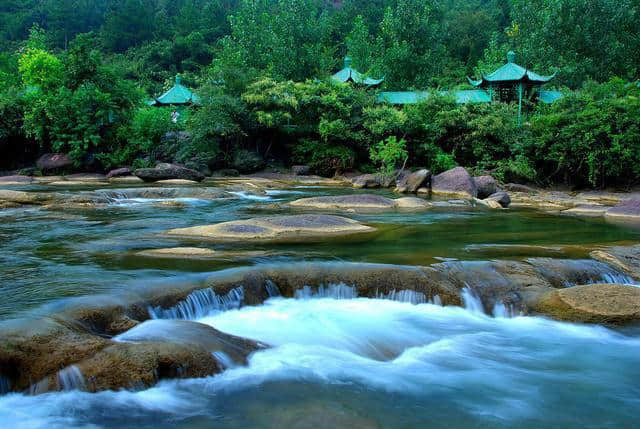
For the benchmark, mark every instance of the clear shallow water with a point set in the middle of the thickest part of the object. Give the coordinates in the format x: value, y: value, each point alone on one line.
x: 378, y: 364
x: 355, y: 363
x: 45, y: 255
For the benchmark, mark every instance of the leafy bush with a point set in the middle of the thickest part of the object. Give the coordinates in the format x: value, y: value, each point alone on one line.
x: 324, y: 158
x: 389, y: 153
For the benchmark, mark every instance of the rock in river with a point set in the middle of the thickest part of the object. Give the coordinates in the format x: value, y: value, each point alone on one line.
x: 414, y: 181
x: 360, y: 201
x: 165, y: 171
x: 456, y: 182
x: 486, y: 185
x: 598, y: 303
x: 276, y: 228
x: 626, y: 210
x: 200, y: 253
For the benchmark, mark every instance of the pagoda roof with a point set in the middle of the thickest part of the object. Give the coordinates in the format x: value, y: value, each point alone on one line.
x: 348, y: 74
x: 177, y: 95
x: 511, y: 73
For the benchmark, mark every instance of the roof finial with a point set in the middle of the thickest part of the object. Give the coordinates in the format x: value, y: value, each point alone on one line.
x: 178, y: 79
x: 511, y: 57
x: 347, y: 62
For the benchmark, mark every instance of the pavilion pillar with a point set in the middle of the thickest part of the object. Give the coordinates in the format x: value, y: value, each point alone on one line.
x: 519, y: 103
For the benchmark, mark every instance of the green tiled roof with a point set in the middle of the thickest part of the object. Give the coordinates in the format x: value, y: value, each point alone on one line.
x: 549, y: 97
x: 348, y: 74
x: 413, y: 97
x: 511, y: 72
x: 178, y: 94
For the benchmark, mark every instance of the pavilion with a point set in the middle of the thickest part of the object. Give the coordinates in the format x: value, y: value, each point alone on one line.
x: 512, y: 82
x: 178, y: 95
x: 349, y: 74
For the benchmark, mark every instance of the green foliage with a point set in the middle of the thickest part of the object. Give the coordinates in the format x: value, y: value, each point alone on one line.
x: 324, y: 158
x: 388, y: 153
x: 41, y: 69
x: 589, y: 138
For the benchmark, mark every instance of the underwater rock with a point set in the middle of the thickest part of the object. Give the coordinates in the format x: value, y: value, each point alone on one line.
x: 276, y: 228
x: 201, y: 253
x: 456, y: 182
x: 486, y: 185
x: 611, y: 304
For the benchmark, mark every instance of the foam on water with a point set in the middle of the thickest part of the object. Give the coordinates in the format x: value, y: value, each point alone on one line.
x: 252, y: 197
x: 482, y: 371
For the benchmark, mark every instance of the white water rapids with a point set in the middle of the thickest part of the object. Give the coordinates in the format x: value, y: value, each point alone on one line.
x: 378, y: 363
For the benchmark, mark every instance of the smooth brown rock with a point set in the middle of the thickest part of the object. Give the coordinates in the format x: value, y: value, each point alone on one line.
x: 588, y: 210
x: 276, y: 228
x: 456, y: 182
x: 623, y: 258
x: 201, y: 253
x: 598, y: 303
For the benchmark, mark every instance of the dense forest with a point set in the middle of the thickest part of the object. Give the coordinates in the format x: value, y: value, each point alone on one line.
x: 75, y: 76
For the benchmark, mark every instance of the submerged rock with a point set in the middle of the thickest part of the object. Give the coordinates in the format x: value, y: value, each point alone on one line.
x: 598, y: 303
x: 276, y: 228
x: 456, y: 182
x: 588, y: 210
x: 200, y: 253
x: 22, y: 197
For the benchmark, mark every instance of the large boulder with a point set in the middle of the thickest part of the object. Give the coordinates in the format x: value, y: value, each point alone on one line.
x: 367, y: 181
x: 626, y: 210
x: 52, y: 161
x: 456, y: 182
x: 597, y: 303
x: 413, y: 181
x: 276, y: 228
x: 119, y: 172
x: 165, y: 171
x: 486, y: 186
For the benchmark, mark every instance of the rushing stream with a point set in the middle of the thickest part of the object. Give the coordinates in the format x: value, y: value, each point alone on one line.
x: 335, y: 360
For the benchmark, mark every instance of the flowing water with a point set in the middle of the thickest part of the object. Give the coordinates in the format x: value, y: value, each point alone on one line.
x: 400, y: 360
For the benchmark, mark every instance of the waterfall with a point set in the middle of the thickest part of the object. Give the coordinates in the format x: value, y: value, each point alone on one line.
x: 272, y: 289
x: 471, y: 301
x: 405, y: 295
x: 200, y: 303
x: 71, y: 378
x: 335, y: 291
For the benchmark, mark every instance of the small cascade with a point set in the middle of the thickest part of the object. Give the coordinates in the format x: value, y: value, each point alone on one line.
x: 618, y: 278
x: 406, y: 295
x: 272, y: 289
x: 224, y: 360
x: 200, y: 303
x: 471, y: 301
x: 504, y: 311
x: 335, y: 291
x: 71, y: 378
